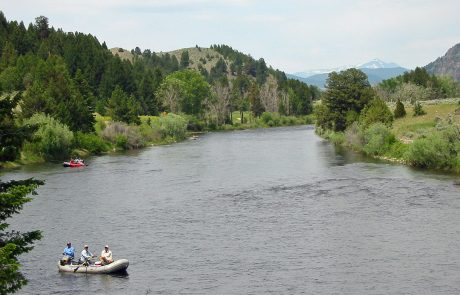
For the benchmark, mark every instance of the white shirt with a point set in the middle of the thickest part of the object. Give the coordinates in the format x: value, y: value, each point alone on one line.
x: 107, y: 255
x: 85, y: 255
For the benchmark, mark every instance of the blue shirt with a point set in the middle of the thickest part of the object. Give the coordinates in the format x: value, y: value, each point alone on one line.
x: 69, y: 251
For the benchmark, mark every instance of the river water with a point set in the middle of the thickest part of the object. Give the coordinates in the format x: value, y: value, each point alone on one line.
x: 275, y: 211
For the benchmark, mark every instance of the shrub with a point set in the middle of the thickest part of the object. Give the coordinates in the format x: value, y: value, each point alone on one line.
x: 123, y: 135
x: 377, y: 139
x: 53, y: 139
x: 376, y: 111
x: 418, y: 109
x: 173, y: 126
x: 354, y: 137
x: 90, y: 142
x: 430, y: 152
x: 150, y: 132
x: 400, y: 111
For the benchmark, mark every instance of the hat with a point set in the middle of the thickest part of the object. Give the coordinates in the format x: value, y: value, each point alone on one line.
x: 68, y: 243
x: 106, y: 246
x: 86, y: 246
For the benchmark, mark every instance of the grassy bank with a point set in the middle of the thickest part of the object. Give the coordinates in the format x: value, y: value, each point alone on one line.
x: 430, y: 141
x: 53, y: 141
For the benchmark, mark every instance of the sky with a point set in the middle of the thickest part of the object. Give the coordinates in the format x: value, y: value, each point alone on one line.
x: 290, y: 35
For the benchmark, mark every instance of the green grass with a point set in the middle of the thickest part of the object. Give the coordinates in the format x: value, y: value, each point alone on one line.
x: 410, y: 127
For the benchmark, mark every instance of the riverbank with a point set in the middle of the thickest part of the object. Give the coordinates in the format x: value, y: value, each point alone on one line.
x: 112, y: 137
x: 430, y: 141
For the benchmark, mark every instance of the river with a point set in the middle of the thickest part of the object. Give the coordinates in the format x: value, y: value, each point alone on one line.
x: 263, y: 211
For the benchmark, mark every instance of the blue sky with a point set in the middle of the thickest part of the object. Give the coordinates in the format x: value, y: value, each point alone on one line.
x: 291, y: 35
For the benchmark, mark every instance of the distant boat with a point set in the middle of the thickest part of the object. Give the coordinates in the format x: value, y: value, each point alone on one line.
x: 457, y: 182
x: 115, y: 267
x: 74, y: 163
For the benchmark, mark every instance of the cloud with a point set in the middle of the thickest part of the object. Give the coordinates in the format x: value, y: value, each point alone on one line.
x: 292, y: 34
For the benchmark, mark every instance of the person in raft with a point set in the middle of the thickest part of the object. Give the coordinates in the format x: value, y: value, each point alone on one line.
x: 69, y: 254
x: 85, y: 255
x: 106, y: 256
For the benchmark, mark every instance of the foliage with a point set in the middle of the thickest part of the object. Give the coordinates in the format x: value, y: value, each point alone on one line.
x: 91, y: 142
x: 11, y: 135
x: 431, y: 152
x: 354, y: 137
x: 123, y: 136
x: 378, y: 139
x: 173, y: 126
x: 52, y: 139
x: 13, y: 195
x: 346, y: 91
x: 52, y: 91
x: 184, y: 91
x: 376, y: 111
x: 123, y: 108
x: 400, y: 111
x: 418, y: 109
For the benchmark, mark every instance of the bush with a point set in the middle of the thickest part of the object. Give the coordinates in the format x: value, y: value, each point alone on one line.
x: 123, y: 135
x: 378, y: 139
x: 354, y: 137
x: 431, y: 152
x: 400, y: 111
x: 376, y: 111
x: 418, y: 109
x: 173, y: 126
x: 53, y: 139
x: 194, y: 124
x: 90, y: 142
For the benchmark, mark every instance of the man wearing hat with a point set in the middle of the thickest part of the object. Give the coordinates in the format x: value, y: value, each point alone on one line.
x: 106, y: 256
x: 69, y: 254
x: 85, y: 255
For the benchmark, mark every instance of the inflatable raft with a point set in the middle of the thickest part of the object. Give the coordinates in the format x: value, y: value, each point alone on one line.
x: 115, y: 267
x: 74, y: 163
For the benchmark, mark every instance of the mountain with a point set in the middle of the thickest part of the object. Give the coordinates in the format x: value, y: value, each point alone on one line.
x: 376, y: 70
x: 449, y: 64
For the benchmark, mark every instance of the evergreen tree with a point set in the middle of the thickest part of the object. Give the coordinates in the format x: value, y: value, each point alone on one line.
x: 11, y: 135
x: 122, y: 107
x: 418, y: 109
x: 400, y: 111
x: 346, y: 93
x: 254, y: 98
x: 376, y: 111
x: 13, y: 195
x: 184, y: 59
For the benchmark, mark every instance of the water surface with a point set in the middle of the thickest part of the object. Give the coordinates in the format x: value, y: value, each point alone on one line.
x: 275, y: 211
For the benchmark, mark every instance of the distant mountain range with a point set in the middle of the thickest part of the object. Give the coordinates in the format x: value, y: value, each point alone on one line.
x: 449, y: 64
x: 376, y: 70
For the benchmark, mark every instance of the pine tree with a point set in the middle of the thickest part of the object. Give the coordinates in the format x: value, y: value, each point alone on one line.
x: 13, y: 195
x: 400, y: 111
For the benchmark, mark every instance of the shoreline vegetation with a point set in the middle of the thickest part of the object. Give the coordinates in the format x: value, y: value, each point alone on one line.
x: 412, y: 124
x: 112, y: 136
x: 440, y: 118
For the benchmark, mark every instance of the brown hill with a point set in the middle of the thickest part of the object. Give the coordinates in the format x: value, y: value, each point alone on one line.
x: 447, y: 65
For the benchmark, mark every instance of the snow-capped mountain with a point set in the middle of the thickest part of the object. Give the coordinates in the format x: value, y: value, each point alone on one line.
x: 376, y: 71
x: 373, y: 64
x: 377, y: 64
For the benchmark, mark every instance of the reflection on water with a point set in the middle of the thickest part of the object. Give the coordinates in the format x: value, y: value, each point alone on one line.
x: 249, y: 212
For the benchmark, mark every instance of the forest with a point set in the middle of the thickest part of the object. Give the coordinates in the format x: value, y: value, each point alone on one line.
x: 66, y: 92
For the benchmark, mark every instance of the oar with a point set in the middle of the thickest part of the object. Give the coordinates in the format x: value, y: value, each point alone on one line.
x: 85, y: 262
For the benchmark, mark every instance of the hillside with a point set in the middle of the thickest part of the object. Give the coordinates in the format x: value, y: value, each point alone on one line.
x: 449, y: 64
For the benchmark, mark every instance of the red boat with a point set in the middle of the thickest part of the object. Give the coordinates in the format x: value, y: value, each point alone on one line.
x: 74, y: 163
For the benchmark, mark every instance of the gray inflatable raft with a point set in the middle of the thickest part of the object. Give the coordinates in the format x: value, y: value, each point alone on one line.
x: 114, y: 267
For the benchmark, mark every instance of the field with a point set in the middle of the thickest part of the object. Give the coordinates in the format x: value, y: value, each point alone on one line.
x: 410, y: 127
